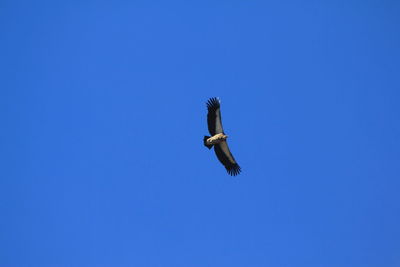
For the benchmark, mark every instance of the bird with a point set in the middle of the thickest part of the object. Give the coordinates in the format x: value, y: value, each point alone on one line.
x: 218, y: 137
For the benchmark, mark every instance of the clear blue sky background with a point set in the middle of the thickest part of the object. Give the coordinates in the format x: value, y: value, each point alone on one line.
x: 103, y: 112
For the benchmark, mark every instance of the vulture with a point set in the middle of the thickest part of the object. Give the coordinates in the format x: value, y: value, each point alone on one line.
x: 218, y: 138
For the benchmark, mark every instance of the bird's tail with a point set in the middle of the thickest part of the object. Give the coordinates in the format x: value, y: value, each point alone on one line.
x: 205, y: 142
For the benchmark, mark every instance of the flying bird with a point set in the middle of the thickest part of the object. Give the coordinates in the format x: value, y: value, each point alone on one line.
x: 218, y: 137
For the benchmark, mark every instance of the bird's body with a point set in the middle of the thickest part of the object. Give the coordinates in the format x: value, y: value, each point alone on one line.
x: 218, y: 138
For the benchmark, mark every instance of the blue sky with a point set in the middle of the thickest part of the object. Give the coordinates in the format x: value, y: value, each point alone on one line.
x: 103, y: 113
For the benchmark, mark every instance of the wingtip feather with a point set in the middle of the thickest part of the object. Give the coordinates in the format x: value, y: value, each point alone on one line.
x: 213, y: 103
x: 234, y: 170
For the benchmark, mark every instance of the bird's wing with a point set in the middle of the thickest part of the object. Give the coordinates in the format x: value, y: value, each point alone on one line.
x: 226, y: 158
x: 214, y: 116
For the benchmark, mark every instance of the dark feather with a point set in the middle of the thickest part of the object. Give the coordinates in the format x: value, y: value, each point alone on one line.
x: 226, y: 158
x: 214, y: 120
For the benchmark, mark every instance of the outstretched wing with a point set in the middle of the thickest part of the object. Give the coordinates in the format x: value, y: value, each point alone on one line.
x: 214, y: 116
x: 226, y: 158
